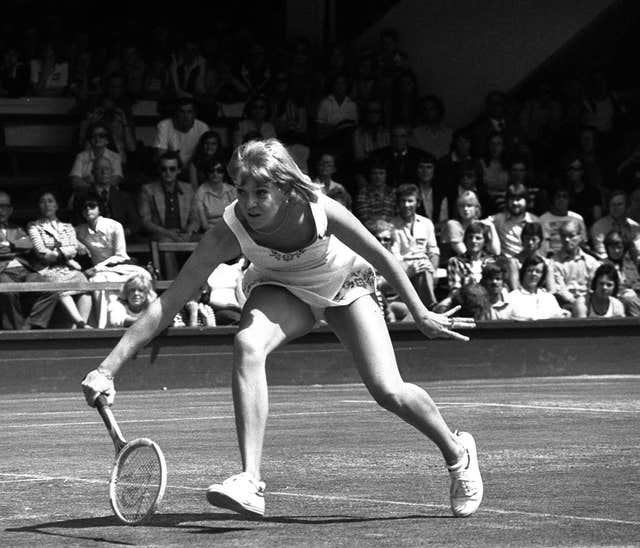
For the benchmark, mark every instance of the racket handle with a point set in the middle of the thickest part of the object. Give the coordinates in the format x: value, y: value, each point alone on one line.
x: 110, y: 422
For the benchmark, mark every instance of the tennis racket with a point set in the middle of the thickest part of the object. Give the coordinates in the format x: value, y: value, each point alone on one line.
x: 139, y: 474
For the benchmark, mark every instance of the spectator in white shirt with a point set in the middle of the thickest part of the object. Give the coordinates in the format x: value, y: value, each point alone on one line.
x: 530, y: 301
x: 616, y: 219
x: 553, y: 219
x: 337, y: 113
x: 509, y: 223
x: 432, y: 135
x: 415, y: 243
x: 180, y: 133
x: 602, y: 301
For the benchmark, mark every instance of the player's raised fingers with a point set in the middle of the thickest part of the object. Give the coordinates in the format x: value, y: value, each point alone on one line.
x: 447, y: 333
x: 452, y: 311
x: 462, y: 323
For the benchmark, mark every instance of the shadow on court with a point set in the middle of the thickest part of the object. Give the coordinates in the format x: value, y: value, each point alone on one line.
x: 181, y: 521
x: 555, y: 455
x: 178, y: 521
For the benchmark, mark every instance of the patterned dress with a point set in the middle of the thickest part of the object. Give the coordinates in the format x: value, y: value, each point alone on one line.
x: 47, y: 235
x: 323, y: 274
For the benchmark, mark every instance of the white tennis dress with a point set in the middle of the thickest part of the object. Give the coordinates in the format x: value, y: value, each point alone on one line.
x: 323, y: 274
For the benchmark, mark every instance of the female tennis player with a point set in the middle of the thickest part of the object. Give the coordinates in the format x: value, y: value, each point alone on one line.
x: 310, y: 260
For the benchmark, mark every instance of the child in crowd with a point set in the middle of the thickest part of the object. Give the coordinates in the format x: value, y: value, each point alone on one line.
x: 136, y: 295
x: 494, y: 281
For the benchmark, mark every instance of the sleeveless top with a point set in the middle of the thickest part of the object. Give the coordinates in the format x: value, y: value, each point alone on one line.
x: 325, y: 273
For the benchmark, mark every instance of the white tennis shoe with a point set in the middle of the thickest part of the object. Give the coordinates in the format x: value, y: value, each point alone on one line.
x: 466, y: 483
x: 240, y: 493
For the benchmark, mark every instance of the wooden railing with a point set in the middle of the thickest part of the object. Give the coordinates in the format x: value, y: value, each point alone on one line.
x: 154, y: 248
x: 54, y: 287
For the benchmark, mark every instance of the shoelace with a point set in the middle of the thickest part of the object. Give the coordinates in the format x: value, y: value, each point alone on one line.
x: 258, y: 486
x: 465, y: 487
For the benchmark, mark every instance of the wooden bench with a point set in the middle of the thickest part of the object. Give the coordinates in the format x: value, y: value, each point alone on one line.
x: 161, y: 247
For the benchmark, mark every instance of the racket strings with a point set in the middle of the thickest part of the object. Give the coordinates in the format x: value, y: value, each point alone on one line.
x: 137, y: 483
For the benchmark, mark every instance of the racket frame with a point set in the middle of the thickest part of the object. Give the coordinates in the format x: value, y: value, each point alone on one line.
x: 123, y: 449
x: 128, y: 448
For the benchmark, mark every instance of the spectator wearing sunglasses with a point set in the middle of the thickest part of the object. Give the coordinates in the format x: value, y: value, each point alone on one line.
x: 167, y: 209
x: 213, y: 195
x: 99, y: 143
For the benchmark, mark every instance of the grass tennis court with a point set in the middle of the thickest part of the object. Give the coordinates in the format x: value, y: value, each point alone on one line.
x: 560, y: 459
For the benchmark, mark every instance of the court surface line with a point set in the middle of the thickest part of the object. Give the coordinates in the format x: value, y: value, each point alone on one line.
x: 353, y: 411
x: 207, y: 406
x: 536, y: 515
x: 517, y: 406
x: 181, y: 419
x: 223, y: 353
x: 461, y: 385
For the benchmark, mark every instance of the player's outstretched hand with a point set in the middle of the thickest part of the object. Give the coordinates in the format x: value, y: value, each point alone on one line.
x: 95, y: 383
x: 443, y: 326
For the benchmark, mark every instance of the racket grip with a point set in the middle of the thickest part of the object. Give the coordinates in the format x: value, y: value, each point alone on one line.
x: 110, y: 422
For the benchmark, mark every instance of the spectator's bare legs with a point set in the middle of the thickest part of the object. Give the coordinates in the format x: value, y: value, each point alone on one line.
x: 362, y: 330
x: 79, y: 312
x: 270, y: 317
x: 85, y: 303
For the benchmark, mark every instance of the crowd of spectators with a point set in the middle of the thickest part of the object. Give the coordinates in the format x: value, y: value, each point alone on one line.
x: 530, y: 211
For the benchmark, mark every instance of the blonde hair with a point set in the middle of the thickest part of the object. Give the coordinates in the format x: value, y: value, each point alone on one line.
x: 269, y: 161
x: 138, y: 281
x: 470, y: 196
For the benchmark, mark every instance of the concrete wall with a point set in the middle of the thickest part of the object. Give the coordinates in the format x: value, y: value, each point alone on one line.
x: 462, y: 48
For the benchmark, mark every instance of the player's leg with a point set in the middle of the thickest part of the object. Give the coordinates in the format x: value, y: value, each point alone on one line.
x: 363, y: 331
x: 270, y: 317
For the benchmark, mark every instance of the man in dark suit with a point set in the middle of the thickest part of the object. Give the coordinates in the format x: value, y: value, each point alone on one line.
x: 114, y: 203
x: 495, y: 119
x: 401, y: 159
x: 15, y: 247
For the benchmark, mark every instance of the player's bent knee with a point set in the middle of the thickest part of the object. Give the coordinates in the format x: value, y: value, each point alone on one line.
x: 390, y: 400
x: 246, y: 343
